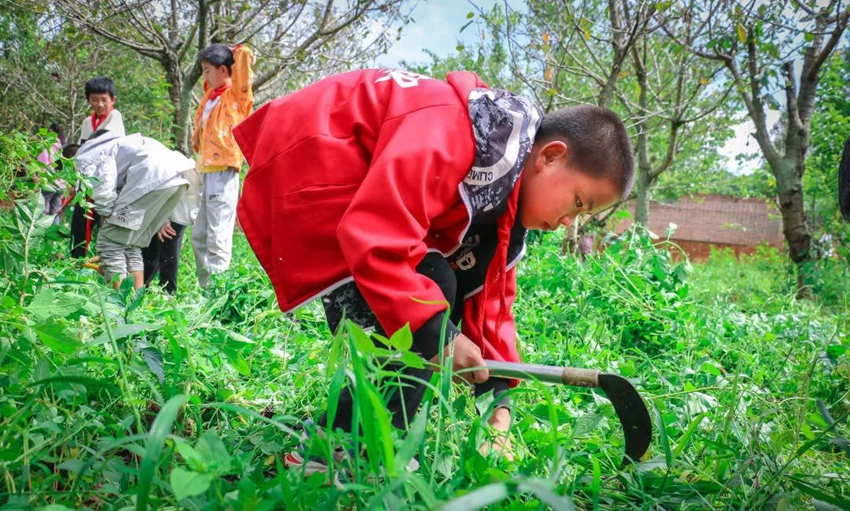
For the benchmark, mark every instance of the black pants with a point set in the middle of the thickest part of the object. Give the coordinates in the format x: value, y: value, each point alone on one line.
x: 82, y: 230
x: 406, y: 394
x: 163, y: 257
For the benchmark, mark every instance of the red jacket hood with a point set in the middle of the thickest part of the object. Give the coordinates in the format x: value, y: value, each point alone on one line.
x: 463, y: 82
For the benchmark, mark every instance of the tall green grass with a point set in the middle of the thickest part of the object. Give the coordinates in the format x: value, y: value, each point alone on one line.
x: 112, y: 399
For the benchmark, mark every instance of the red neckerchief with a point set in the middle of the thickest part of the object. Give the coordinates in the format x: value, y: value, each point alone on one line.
x: 218, y: 92
x: 97, y: 121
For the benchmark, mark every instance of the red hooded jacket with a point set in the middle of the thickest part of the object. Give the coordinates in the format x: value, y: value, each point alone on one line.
x: 357, y: 176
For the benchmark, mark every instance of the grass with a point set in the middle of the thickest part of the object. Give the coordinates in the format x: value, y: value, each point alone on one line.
x: 114, y: 400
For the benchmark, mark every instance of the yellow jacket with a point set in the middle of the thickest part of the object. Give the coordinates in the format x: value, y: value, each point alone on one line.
x: 214, y: 143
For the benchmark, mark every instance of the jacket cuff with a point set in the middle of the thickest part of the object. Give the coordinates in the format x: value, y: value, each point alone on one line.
x: 426, y: 340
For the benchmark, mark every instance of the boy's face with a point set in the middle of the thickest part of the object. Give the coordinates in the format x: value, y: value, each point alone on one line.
x: 554, y: 192
x: 214, y: 76
x: 101, y: 102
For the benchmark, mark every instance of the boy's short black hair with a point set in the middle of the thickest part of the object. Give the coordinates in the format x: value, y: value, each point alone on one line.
x: 99, y: 85
x: 844, y: 182
x: 217, y: 55
x: 70, y: 150
x: 598, y: 141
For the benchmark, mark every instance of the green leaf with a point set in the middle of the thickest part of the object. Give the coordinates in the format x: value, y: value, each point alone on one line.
x: 402, y: 339
x: 190, y: 455
x: 683, y: 442
x: 543, y: 413
x: 543, y: 490
x: 662, y: 434
x: 238, y: 362
x: 159, y: 430
x: 478, y: 498
x: 375, y: 417
x: 153, y: 359
x: 55, y: 336
x: 124, y: 331
x: 362, y: 343
x: 136, y: 299
x: 214, y: 453
x: 89, y: 383
x: 236, y: 336
x: 587, y: 423
x: 819, y: 494
x: 47, y: 303
x: 414, y: 439
x: 73, y: 465
x: 742, y: 34
x: 411, y: 359
x: 186, y: 483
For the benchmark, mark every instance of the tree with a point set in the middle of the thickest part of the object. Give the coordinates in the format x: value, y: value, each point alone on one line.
x: 294, y: 40
x: 45, y: 62
x: 568, y: 54
x: 611, y: 53
x: 761, y: 44
x: 830, y: 129
x: 679, y: 96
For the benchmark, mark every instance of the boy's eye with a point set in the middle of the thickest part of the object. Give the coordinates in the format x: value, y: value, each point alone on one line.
x: 579, y: 203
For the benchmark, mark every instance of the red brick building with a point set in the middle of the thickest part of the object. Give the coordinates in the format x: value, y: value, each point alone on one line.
x: 718, y: 221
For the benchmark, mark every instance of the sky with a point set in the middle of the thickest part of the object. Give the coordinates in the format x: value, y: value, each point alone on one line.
x: 436, y: 25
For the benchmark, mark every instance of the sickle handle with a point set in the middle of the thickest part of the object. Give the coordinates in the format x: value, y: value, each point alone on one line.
x: 549, y: 374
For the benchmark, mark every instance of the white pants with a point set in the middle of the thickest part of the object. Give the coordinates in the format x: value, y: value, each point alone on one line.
x: 212, y: 235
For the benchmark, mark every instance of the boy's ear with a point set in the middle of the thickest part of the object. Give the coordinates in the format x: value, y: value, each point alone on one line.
x: 554, y: 150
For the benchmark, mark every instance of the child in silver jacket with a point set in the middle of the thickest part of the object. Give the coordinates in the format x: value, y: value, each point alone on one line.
x: 139, y: 183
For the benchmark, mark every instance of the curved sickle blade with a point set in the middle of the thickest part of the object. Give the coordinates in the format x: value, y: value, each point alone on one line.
x: 633, y: 415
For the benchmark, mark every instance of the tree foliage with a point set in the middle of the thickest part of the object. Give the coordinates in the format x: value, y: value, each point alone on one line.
x: 149, y: 46
x: 44, y: 63
x: 830, y: 129
x: 773, y: 50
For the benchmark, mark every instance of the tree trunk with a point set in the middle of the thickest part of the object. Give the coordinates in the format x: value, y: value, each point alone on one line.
x: 183, y: 126
x: 790, y: 193
x: 644, y: 196
x: 181, y: 98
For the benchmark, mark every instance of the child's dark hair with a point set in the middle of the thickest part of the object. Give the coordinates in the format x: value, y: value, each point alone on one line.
x: 70, y: 150
x: 844, y: 182
x: 598, y: 141
x: 59, y: 130
x: 217, y: 55
x: 99, y: 85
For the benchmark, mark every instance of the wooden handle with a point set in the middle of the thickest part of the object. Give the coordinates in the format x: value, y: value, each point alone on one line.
x: 550, y: 374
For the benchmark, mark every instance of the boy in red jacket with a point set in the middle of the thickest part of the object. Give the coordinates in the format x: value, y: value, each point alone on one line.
x: 388, y: 193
